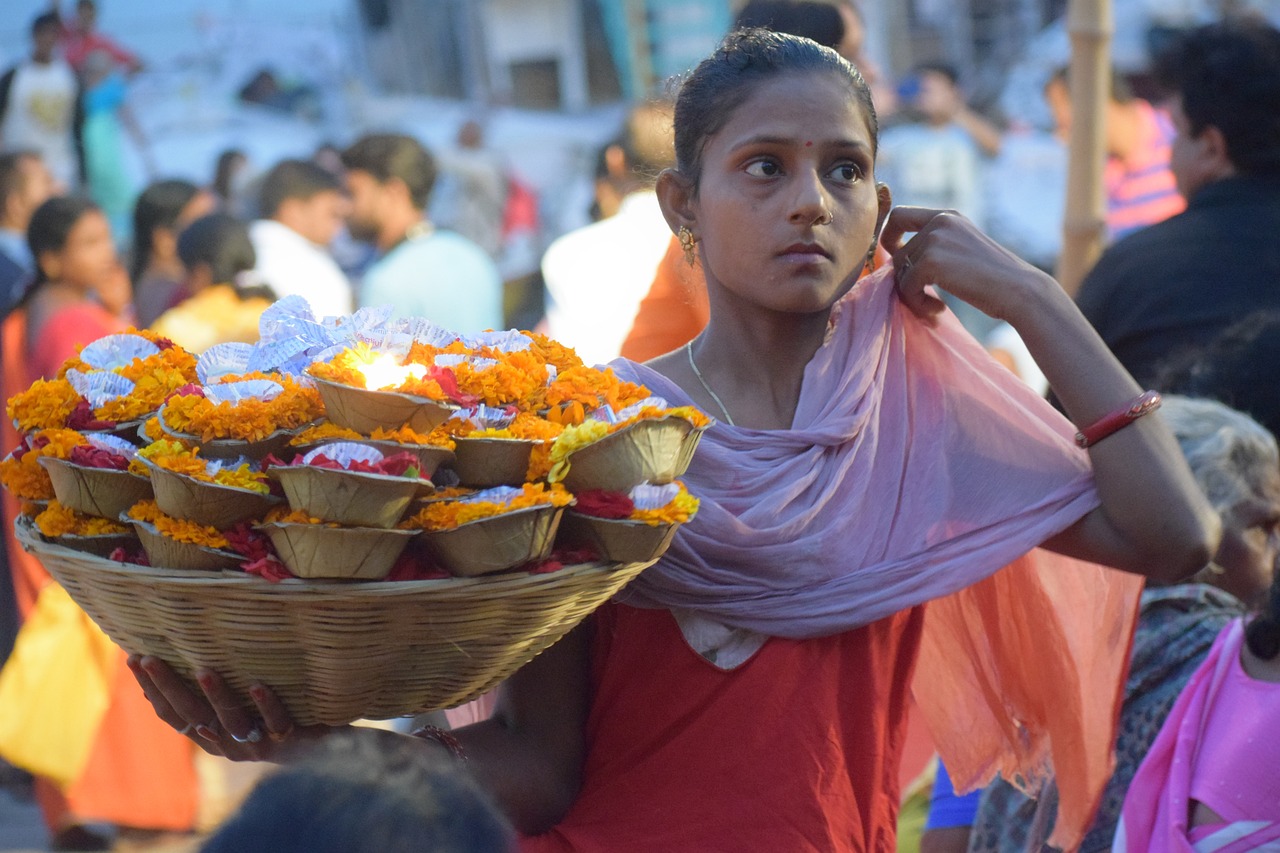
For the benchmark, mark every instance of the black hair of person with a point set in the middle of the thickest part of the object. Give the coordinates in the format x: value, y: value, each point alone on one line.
x: 220, y: 242
x: 1121, y: 92
x: 222, y: 172
x: 294, y: 179
x: 720, y: 84
x: 392, y: 155
x: 1263, y: 632
x: 48, y: 19
x: 1228, y: 75
x: 159, y: 206
x: 940, y: 68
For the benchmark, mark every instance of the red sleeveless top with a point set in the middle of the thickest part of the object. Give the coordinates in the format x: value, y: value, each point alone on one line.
x: 797, y: 749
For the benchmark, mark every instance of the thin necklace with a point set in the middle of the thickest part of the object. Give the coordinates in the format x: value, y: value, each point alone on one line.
x: 688, y: 348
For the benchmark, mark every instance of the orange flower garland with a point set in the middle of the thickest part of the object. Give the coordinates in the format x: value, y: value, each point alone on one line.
x: 57, y: 520
x: 178, y: 529
x: 327, y: 431
x: 446, y: 515
x: 177, y: 457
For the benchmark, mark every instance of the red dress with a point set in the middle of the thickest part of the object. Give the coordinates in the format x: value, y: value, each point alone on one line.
x: 796, y: 749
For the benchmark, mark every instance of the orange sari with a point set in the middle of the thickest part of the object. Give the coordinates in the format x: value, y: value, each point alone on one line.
x: 140, y: 772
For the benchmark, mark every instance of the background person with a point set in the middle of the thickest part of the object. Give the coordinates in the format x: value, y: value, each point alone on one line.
x: 160, y: 214
x: 40, y: 107
x: 25, y: 184
x: 420, y: 270
x: 304, y: 208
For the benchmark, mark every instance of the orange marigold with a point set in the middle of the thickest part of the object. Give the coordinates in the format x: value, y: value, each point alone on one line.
x: 283, y: 515
x: 178, y: 529
x: 248, y: 420
x: 57, y: 520
x: 46, y: 404
x: 447, y: 514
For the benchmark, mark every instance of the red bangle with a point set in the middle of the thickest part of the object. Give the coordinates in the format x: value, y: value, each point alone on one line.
x: 1144, y: 404
x: 442, y: 737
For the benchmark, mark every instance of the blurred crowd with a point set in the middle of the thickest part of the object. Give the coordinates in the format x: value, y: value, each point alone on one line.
x: 1185, y: 294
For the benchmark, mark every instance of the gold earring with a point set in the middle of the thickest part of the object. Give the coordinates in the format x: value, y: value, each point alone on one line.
x: 687, y: 243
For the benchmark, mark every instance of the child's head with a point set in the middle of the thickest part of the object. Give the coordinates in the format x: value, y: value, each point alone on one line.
x: 215, y: 249
x: 746, y: 58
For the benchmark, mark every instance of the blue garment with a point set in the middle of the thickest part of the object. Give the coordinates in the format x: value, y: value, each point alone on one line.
x: 443, y: 277
x: 946, y: 807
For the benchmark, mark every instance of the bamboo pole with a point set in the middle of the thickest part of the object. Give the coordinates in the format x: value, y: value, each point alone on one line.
x: 1089, y: 23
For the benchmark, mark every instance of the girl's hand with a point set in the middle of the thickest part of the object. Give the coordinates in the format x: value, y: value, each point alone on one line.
x: 949, y: 251
x: 215, y: 719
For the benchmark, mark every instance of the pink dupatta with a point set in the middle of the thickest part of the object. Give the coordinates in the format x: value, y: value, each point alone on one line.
x: 916, y: 468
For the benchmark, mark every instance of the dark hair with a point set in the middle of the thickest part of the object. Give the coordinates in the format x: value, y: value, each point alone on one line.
x: 393, y: 155
x: 723, y: 81
x: 939, y: 68
x: 1237, y: 368
x: 293, y: 179
x: 222, y: 172
x: 50, y: 227
x: 48, y: 19
x: 809, y: 19
x: 159, y: 206
x: 221, y: 242
x: 1228, y: 75
x: 1121, y: 92
x: 1263, y: 633
x: 12, y: 181
x: 358, y: 795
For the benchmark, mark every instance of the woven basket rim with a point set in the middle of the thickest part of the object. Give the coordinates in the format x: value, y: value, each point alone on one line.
x: 32, y: 542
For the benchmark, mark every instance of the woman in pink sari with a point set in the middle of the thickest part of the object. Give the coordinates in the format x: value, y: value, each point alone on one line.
x: 748, y: 692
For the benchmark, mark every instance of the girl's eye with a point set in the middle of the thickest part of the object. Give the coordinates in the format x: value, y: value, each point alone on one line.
x: 847, y: 172
x: 763, y: 169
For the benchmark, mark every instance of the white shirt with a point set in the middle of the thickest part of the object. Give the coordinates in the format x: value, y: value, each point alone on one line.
x: 597, y: 276
x: 41, y: 116
x: 294, y: 266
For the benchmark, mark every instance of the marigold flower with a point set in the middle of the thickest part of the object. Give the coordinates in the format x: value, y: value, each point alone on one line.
x: 247, y: 420
x: 46, y: 404
x: 57, y: 520
x: 178, y: 529
x: 447, y: 514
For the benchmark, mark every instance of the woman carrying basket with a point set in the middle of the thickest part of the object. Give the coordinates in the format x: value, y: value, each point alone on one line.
x: 748, y: 691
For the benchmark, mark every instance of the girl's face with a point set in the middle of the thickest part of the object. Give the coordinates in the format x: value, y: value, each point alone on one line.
x: 89, y: 256
x: 787, y: 206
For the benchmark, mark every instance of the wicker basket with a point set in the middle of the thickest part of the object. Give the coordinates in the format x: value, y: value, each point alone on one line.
x: 335, y: 652
x: 364, y: 411
x: 103, y: 492
x: 221, y: 507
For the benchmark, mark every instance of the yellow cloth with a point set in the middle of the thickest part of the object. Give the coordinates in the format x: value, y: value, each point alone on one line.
x: 55, y: 689
x: 215, y: 315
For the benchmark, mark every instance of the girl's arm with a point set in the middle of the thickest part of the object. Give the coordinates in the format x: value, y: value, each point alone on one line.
x: 1153, y: 520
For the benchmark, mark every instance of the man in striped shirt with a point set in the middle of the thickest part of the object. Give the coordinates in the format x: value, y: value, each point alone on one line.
x: 1141, y: 189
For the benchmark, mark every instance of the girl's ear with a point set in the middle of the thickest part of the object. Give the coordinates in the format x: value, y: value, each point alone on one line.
x: 675, y: 197
x: 51, y: 263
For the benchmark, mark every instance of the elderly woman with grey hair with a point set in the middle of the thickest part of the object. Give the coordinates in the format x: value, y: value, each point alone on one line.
x: 1237, y: 465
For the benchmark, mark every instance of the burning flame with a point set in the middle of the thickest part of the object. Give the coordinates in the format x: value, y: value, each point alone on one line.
x: 384, y: 372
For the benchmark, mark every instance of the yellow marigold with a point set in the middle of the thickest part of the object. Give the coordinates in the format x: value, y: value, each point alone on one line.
x: 155, y: 378
x: 151, y: 429
x: 592, y: 388
x: 502, y: 383
x: 574, y: 438
x: 248, y: 420
x: 283, y: 515
x: 46, y: 404
x: 178, y: 529
x: 58, y: 520
x: 682, y: 508
x: 25, y: 478
x: 328, y: 431
x: 447, y: 514
x: 181, y: 459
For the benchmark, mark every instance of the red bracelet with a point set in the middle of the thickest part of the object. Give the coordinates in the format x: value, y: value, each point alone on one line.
x: 1144, y: 404
x: 442, y: 737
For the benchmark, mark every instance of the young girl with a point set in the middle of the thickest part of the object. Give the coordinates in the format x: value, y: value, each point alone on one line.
x: 748, y: 691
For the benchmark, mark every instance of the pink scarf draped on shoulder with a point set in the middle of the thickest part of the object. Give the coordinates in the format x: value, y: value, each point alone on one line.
x: 917, y: 468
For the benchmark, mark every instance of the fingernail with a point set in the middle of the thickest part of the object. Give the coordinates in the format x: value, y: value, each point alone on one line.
x: 134, y: 664
x: 258, y: 692
x: 205, y: 679
x: 207, y: 733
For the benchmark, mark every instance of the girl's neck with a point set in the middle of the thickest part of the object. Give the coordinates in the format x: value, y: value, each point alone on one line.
x: 169, y: 269
x: 754, y: 361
